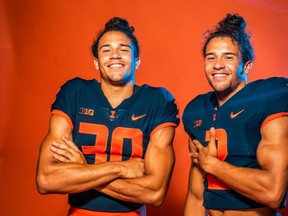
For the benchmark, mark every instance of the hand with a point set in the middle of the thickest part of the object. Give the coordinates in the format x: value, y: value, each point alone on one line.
x: 133, y: 168
x: 67, y: 151
x: 205, y: 156
x: 192, y: 151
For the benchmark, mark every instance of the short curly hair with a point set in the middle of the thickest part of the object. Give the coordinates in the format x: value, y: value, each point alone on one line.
x: 233, y: 26
x: 117, y: 24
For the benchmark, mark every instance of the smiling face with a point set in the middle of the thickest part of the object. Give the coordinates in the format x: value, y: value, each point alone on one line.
x: 116, y: 60
x: 224, y: 68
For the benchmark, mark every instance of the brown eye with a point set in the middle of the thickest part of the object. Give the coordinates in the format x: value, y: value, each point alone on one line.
x: 210, y: 58
x: 229, y: 58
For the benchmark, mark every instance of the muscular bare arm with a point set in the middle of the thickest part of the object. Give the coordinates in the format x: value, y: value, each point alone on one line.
x: 54, y: 176
x: 266, y: 185
x: 194, y: 197
x: 159, y: 163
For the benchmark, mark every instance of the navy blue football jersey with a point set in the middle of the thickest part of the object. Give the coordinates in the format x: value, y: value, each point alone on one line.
x: 238, y: 124
x: 104, y: 133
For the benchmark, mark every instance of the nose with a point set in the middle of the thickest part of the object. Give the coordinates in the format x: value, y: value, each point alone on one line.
x: 218, y: 64
x: 115, y: 54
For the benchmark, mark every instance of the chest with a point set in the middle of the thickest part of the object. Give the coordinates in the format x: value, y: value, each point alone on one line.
x: 106, y: 134
x: 237, y: 127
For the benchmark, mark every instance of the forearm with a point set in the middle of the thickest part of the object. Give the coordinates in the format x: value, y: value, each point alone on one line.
x: 267, y: 184
x: 138, y: 190
x: 74, y: 177
x: 194, y: 197
x: 256, y: 184
x: 152, y: 187
x: 193, y: 206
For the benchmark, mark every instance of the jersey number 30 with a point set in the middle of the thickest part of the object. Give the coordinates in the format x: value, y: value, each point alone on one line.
x: 117, y: 140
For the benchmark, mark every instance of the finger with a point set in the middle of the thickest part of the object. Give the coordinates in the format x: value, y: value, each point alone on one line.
x: 72, y: 151
x: 212, y: 133
x: 59, y: 149
x: 70, y: 143
x: 60, y: 145
x: 192, y: 147
x: 198, y: 145
x: 73, y: 148
x: 193, y: 155
x: 212, y: 142
x: 60, y: 158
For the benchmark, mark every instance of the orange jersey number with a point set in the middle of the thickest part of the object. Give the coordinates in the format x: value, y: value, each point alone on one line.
x: 222, y: 152
x: 117, y: 139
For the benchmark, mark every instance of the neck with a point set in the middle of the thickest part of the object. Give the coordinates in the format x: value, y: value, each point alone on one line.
x: 116, y: 94
x: 223, y: 97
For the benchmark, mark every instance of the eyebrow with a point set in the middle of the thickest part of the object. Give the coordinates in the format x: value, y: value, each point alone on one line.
x: 107, y: 45
x: 225, y: 53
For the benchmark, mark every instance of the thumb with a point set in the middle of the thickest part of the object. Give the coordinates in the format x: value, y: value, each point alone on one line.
x: 212, y: 133
x: 212, y: 142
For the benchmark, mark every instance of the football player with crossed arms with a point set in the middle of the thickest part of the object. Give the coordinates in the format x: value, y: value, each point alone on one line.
x: 238, y: 132
x: 109, y: 144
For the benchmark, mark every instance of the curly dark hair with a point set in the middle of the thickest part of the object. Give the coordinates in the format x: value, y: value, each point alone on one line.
x: 117, y: 24
x: 233, y: 26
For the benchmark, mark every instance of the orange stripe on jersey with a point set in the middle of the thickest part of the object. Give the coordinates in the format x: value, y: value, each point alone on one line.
x: 168, y: 124
x: 84, y: 212
x: 274, y: 116
x: 64, y: 115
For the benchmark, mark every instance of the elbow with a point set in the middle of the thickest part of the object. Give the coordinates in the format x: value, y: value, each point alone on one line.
x: 274, y: 199
x: 157, y: 202
x: 42, y: 184
x: 274, y: 204
x: 156, y: 199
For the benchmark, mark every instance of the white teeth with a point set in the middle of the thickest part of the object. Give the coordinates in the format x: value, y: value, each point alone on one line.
x: 115, y: 65
x: 219, y: 75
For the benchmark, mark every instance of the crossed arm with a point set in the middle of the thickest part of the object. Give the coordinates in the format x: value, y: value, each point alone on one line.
x: 267, y: 185
x: 62, y: 168
x: 152, y: 187
x: 75, y: 175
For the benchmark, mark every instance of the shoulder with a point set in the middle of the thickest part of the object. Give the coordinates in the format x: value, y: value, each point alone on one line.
x: 199, y: 100
x: 197, y: 106
x: 77, y: 81
x: 158, y: 93
x: 269, y: 89
x: 273, y: 82
x: 73, y: 85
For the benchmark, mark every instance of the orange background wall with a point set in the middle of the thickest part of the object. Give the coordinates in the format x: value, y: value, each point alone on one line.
x: 44, y: 42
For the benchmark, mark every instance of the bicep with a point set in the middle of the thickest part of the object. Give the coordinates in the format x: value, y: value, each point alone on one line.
x: 160, y: 158
x: 273, y: 149
x: 58, y: 127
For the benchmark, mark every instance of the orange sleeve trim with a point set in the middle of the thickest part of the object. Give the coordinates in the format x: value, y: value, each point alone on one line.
x: 168, y: 124
x: 83, y: 212
x: 273, y: 116
x: 64, y: 115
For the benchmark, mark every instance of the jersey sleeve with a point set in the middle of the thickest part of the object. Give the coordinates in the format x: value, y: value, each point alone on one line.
x: 276, y: 99
x: 193, y: 109
x: 64, y: 104
x: 166, y: 111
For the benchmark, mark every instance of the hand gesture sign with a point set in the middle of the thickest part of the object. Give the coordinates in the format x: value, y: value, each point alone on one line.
x: 205, y: 156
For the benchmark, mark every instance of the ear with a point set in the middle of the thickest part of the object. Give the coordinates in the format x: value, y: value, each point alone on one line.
x: 248, y: 67
x: 138, y: 62
x: 96, y: 64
